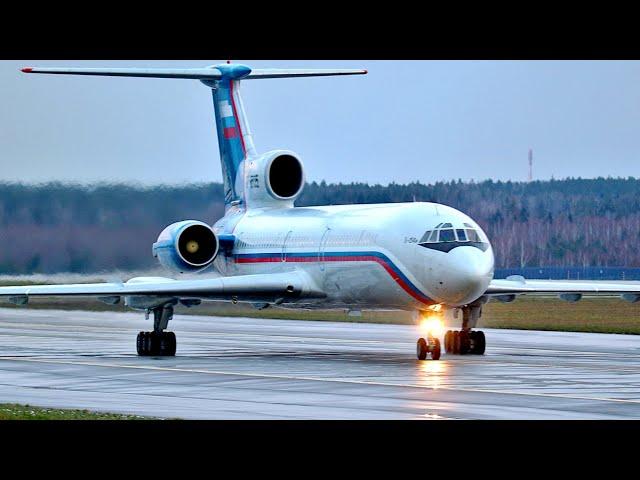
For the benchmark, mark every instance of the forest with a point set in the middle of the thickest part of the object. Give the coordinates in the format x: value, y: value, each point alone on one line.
x: 575, y: 222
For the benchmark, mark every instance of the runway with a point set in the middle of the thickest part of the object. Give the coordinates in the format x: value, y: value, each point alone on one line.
x: 242, y: 368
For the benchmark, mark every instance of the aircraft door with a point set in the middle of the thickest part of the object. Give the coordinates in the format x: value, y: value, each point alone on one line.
x: 283, y: 255
x: 322, y: 248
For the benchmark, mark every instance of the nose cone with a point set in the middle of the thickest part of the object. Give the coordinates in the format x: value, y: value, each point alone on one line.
x: 465, y: 275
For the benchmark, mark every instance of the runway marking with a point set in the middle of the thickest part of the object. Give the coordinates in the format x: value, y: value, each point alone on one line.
x: 315, y: 379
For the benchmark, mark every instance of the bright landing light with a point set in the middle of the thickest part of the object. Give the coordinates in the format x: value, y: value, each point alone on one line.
x: 432, y: 325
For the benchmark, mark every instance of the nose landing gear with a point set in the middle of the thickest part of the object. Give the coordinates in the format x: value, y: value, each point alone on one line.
x: 429, y: 346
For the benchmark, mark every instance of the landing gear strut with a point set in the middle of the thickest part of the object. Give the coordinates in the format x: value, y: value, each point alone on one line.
x: 158, y: 342
x: 466, y: 340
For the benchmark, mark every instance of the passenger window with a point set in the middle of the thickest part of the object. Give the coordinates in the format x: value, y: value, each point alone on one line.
x: 462, y: 237
x: 447, y: 236
x: 473, y: 236
x: 425, y: 237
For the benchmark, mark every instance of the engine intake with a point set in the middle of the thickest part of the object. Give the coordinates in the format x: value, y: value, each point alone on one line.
x: 187, y: 246
x: 285, y: 177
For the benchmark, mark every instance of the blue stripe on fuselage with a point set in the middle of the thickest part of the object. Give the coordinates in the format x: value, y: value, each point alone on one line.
x: 400, y: 277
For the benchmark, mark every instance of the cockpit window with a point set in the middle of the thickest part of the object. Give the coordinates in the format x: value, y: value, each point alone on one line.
x: 447, y: 235
x: 473, y: 236
x: 425, y: 237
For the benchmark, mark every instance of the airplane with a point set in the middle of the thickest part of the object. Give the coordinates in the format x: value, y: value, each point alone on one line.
x: 427, y: 258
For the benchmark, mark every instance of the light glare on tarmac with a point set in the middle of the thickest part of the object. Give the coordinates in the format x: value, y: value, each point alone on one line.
x: 235, y: 368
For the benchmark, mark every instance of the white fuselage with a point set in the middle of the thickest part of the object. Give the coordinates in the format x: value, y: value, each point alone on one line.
x: 363, y: 256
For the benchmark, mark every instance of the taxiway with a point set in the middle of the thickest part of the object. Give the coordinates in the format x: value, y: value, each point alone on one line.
x: 243, y: 368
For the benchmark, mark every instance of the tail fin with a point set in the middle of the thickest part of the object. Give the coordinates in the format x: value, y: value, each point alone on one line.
x: 234, y: 136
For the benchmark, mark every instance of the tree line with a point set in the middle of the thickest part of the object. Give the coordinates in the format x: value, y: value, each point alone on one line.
x: 578, y: 222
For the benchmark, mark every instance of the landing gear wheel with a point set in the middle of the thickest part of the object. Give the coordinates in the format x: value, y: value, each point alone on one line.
x: 146, y: 344
x: 455, y: 342
x: 422, y: 349
x: 479, y: 343
x: 435, y: 351
x: 447, y: 342
x: 167, y: 344
x: 140, y: 344
x: 465, y: 342
x: 156, y: 344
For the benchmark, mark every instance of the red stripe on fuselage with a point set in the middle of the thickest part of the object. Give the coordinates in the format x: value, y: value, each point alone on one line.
x: 355, y: 258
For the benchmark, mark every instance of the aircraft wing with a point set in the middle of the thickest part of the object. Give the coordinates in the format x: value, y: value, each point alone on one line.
x: 571, y: 290
x: 264, y: 287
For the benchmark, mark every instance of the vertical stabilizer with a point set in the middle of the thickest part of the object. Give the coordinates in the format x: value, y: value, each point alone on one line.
x: 234, y: 137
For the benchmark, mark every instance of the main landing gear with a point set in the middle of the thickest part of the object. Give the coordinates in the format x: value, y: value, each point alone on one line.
x: 158, y: 343
x: 466, y: 340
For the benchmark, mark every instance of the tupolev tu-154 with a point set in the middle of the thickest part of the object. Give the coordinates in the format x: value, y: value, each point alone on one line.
x: 423, y: 257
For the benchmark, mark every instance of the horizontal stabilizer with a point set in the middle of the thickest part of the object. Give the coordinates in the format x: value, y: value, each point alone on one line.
x: 239, y: 72
x: 300, y: 72
x: 189, y: 73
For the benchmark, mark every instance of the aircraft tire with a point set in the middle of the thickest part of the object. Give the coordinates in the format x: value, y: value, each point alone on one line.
x: 435, y: 353
x: 455, y: 342
x: 465, y: 344
x: 140, y: 344
x: 422, y: 349
x: 167, y: 344
x: 480, y: 343
x: 156, y: 344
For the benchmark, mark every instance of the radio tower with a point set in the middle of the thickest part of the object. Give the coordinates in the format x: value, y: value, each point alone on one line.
x: 530, y: 165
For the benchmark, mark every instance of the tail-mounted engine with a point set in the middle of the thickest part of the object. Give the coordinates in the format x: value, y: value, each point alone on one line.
x: 187, y: 246
x: 274, y: 179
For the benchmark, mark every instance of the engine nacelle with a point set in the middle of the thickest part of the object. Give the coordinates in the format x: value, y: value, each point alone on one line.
x: 275, y: 179
x: 187, y: 246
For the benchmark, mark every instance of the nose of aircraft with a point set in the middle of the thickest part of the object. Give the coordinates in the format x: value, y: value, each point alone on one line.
x: 467, y: 274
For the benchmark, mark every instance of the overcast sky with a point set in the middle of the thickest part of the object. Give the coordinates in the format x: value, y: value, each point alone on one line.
x: 404, y: 121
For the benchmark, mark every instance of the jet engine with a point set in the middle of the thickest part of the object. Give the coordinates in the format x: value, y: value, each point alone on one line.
x: 187, y: 246
x: 275, y: 178
x: 284, y: 176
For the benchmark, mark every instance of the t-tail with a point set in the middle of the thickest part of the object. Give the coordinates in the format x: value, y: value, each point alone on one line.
x: 235, y: 140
